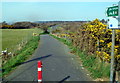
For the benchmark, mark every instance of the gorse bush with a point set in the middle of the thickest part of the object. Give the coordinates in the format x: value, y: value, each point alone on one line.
x: 94, y: 38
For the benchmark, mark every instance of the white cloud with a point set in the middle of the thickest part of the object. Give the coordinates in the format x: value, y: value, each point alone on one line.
x: 60, y: 0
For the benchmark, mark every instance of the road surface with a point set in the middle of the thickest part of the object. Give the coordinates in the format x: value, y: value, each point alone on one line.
x: 58, y: 64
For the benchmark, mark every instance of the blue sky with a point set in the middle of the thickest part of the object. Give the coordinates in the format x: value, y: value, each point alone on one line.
x: 53, y: 11
x: 59, y: 0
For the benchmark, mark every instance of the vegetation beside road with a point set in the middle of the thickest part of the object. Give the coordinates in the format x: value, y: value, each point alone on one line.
x: 92, y: 42
x: 29, y: 39
x: 21, y: 56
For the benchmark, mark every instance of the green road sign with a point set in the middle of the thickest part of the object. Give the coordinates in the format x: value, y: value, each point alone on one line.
x: 112, y: 11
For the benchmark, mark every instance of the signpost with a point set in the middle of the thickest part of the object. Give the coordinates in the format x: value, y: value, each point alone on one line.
x: 113, y: 23
x: 112, y: 11
x: 112, y: 14
x: 119, y: 14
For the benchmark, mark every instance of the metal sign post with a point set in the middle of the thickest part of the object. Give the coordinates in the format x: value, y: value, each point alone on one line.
x: 112, y: 69
x: 118, y: 72
x: 119, y: 14
x: 113, y: 14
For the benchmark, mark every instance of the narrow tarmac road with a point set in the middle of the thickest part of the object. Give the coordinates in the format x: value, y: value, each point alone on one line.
x: 58, y: 64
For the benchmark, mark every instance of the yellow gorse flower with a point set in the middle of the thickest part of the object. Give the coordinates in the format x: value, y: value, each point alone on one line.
x: 101, y: 40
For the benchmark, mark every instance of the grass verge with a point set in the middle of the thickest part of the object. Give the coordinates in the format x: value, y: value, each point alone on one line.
x: 21, y: 56
x: 93, y: 64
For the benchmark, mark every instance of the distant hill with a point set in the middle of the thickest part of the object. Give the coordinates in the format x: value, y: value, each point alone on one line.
x: 38, y: 24
x: 56, y: 21
x: 18, y: 25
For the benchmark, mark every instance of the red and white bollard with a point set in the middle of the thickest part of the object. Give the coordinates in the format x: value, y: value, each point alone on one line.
x: 39, y: 71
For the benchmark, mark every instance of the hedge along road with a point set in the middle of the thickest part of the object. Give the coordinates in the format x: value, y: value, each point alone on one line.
x: 58, y: 64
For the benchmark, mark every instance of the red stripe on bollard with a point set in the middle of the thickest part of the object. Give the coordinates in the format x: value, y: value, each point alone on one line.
x: 39, y: 71
x: 39, y: 64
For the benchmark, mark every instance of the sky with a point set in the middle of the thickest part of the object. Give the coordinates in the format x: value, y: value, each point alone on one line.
x: 15, y: 11
x: 60, y: 0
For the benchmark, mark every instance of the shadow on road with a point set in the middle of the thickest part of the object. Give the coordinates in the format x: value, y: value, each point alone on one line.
x: 40, y: 58
x: 63, y: 80
x: 37, y: 59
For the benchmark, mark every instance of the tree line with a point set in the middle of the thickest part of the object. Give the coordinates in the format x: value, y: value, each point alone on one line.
x: 25, y: 25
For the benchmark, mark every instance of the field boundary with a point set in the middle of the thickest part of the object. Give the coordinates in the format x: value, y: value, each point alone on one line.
x: 21, y: 56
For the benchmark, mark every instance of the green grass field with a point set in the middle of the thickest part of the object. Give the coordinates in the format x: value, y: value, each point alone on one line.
x: 11, y: 38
